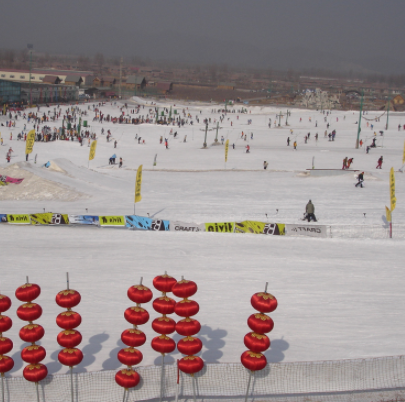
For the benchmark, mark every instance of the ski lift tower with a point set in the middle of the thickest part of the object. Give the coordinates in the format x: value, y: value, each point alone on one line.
x: 279, y: 116
x: 287, y: 115
x: 216, y: 136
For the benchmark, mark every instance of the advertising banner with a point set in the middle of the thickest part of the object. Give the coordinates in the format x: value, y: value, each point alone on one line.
x: 277, y: 229
x: 138, y: 184
x: 84, y: 220
x: 144, y: 223
x: 306, y: 230
x: 29, y: 144
x: 49, y: 218
x: 112, y: 221
x: 186, y: 227
x: 93, y: 147
x: 226, y: 150
x: 392, y: 190
x: 3, y: 218
x: 220, y: 227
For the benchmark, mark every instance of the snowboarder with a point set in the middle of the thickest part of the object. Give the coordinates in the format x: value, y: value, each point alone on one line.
x: 379, y: 163
x: 310, y: 211
x: 360, y: 179
x: 247, y: 149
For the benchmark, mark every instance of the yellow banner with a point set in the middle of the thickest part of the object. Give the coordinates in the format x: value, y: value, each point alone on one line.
x: 388, y: 214
x: 93, y: 150
x: 226, y: 150
x: 403, y: 156
x: 138, y: 183
x: 29, y: 145
x: 49, y: 218
x: 112, y: 220
x: 19, y: 219
x: 221, y: 227
x: 260, y: 228
x: 392, y: 190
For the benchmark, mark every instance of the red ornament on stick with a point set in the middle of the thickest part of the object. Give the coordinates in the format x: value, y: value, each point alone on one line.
x: 133, y: 337
x: 164, y: 283
x: 5, y: 303
x: 70, y: 357
x: 68, y: 319
x: 35, y: 372
x: 6, y: 364
x: 185, y: 289
x: 28, y: 292
x: 127, y: 378
x: 5, y: 323
x: 163, y: 344
x: 33, y: 354
x: 29, y: 312
x: 6, y: 344
x: 140, y: 294
x: 260, y: 323
x: 32, y: 333
x: 68, y: 298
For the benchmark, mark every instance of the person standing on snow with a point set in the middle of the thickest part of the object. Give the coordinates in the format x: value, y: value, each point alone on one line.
x: 360, y: 179
x: 295, y: 144
x: 265, y: 164
x: 310, y: 210
x: 120, y: 165
x: 344, y: 163
x: 379, y: 163
x: 288, y: 141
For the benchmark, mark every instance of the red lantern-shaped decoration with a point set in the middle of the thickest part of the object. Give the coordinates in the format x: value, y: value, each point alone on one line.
x: 68, y: 320
x: 164, y: 305
x: 6, y: 345
x: 256, y: 342
x: 32, y: 333
x: 69, y: 338
x: 253, y: 361
x: 164, y: 325
x: 33, y: 354
x: 163, y: 344
x: 5, y: 323
x: 127, y: 378
x: 130, y: 356
x: 136, y: 315
x: 187, y: 308
x: 68, y: 298
x: 164, y: 283
x: 264, y: 302
x: 191, y: 364
x: 260, y: 323
x: 29, y: 312
x: 184, y: 289
x: 6, y: 364
x: 188, y: 327
x: 5, y: 303
x: 70, y: 357
x: 28, y: 292
x: 140, y: 294
x: 35, y: 372
x: 133, y: 337
x: 189, y: 345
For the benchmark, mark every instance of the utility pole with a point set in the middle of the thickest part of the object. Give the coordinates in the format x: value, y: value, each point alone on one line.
x: 30, y: 47
x: 120, y: 76
x: 388, y: 111
x: 286, y: 119
x: 359, y: 125
x: 205, y: 138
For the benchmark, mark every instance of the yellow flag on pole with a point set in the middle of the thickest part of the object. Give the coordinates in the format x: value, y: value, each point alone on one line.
x: 93, y: 147
x: 29, y: 145
x: 138, y: 184
x: 388, y: 214
x: 226, y: 150
x: 392, y: 189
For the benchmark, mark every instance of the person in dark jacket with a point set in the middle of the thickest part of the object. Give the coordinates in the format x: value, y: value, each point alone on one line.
x: 360, y: 179
x: 310, y: 211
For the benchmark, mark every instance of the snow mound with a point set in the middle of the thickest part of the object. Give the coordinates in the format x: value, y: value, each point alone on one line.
x: 53, y: 166
x: 34, y: 187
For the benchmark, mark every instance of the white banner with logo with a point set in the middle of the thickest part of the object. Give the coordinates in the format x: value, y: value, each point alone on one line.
x: 186, y: 227
x: 306, y: 230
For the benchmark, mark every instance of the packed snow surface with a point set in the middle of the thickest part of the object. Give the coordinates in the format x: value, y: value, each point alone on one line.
x: 338, y: 298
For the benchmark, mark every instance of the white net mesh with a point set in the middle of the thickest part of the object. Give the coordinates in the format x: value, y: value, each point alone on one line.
x: 375, y: 379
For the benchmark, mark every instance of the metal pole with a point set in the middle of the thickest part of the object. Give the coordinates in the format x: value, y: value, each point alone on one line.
x: 121, y: 75
x: 67, y: 280
x: 388, y: 112
x: 248, y: 386
x: 178, y: 380
x: 36, y: 386
x: 216, y: 137
x: 195, y: 399
x: 161, y: 377
x: 123, y: 398
x: 2, y: 387
x: 205, y: 138
x: 71, y: 382
x: 359, y: 125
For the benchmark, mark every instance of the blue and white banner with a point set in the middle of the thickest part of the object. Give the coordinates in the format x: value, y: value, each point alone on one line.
x: 84, y: 220
x: 144, y: 223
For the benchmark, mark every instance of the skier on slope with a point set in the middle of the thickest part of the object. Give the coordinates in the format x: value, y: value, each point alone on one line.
x: 360, y: 180
x: 379, y: 163
x: 310, y: 212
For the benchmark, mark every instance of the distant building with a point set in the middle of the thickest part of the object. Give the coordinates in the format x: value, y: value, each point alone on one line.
x: 51, y: 79
x: 226, y: 85
x: 135, y: 82
x: 73, y: 80
x: 164, y: 87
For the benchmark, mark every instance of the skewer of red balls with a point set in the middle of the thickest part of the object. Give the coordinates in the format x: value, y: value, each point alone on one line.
x: 6, y: 344
x: 188, y: 327
x: 32, y: 333
x: 133, y: 337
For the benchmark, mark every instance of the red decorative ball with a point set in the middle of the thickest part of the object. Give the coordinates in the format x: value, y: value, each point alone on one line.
x: 68, y: 298
x: 189, y: 345
x: 253, y: 361
x: 5, y: 303
x: 188, y: 327
x: 164, y: 325
x: 136, y: 315
x: 164, y: 305
x: 33, y: 354
x: 68, y: 320
x: 28, y: 292
x: 187, y: 308
x: 69, y: 338
x: 130, y: 356
x: 184, y: 288
x: 29, y: 312
x: 70, y: 357
x: 257, y: 343
x: 32, y: 333
x: 260, y: 323
x: 264, y: 302
x: 127, y: 378
x: 140, y: 294
x: 164, y: 283
x: 5, y: 323
x: 6, y: 364
x: 35, y: 372
x: 163, y: 344
x: 133, y: 337
x: 191, y: 364
x: 6, y: 345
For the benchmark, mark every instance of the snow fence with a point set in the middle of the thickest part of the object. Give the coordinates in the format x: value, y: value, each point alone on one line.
x: 375, y: 379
